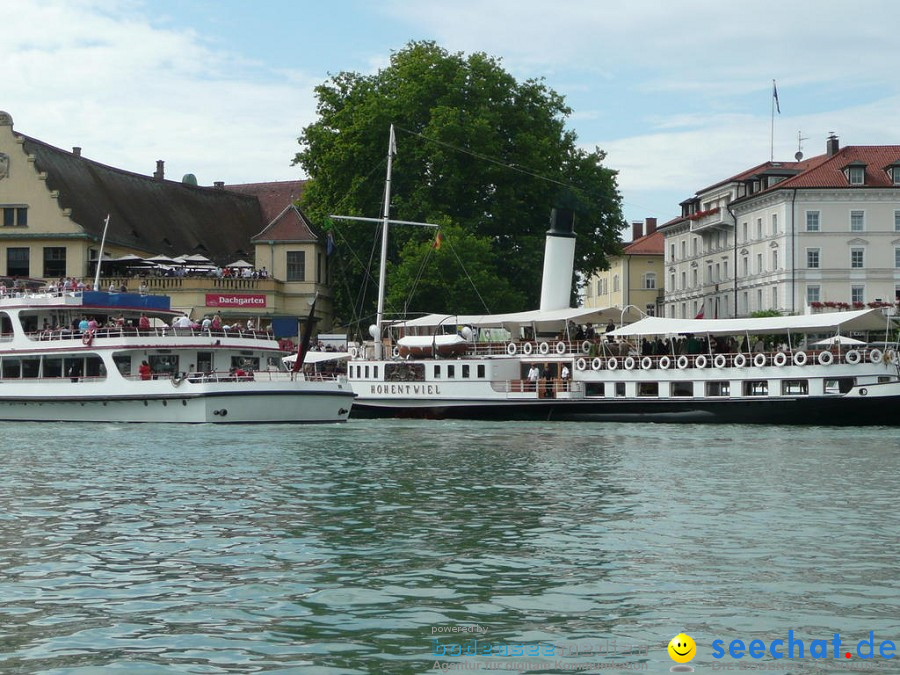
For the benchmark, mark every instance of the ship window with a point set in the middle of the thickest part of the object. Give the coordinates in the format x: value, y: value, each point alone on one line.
x: 165, y: 364
x: 53, y: 367
x: 682, y: 389
x: 840, y: 385
x: 31, y: 367
x: 465, y: 372
x: 620, y: 388
x: 11, y: 368
x: 451, y: 372
x: 404, y: 372
x: 594, y: 389
x: 245, y: 363
x: 756, y: 388
x: 437, y: 372
x: 93, y: 367
x: 123, y: 364
x: 375, y: 372
x: 367, y: 372
x: 648, y: 389
x: 481, y: 371
x: 789, y: 387
x: 722, y: 388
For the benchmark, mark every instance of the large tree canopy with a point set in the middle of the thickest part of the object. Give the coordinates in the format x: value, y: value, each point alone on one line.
x: 477, y: 149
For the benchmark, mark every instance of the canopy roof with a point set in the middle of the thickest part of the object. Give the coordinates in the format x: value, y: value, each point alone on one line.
x: 549, y: 320
x: 866, y: 319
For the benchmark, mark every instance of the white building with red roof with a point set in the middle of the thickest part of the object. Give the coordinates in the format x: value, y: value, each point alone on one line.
x: 789, y: 236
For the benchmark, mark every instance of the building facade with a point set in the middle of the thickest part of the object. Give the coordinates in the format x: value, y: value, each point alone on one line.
x: 633, y: 278
x: 790, y: 237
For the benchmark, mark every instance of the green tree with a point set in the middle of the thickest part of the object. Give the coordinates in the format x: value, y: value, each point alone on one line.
x: 475, y: 146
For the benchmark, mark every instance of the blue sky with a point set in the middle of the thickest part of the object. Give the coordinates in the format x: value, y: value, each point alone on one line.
x: 677, y: 93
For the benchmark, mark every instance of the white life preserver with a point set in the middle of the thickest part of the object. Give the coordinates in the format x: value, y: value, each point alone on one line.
x: 759, y: 359
x: 560, y: 347
x: 354, y: 352
x: 799, y: 358
x: 580, y: 364
x: 826, y: 358
x: 740, y: 361
x: 511, y: 349
x: 875, y: 356
x: 586, y: 347
x: 682, y: 362
x: 700, y: 361
x: 612, y: 363
x: 780, y: 359
x: 719, y: 361
x: 597, y: 363
x: 646, y: 363
x: 665, y: 362
x: 527, y: 348
x: 629, y: 363
x: 544, y: 347
x: 88, y: 338
x: 395, y: 351
x: 891, y: 356
x: 853, y: 357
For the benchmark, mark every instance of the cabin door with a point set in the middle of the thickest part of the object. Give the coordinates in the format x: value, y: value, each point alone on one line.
x: 204, y: 362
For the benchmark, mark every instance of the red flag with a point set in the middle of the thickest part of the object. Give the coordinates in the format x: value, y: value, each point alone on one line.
x: 438, y: 240
x: 699, y: 314
x: 307, y: 334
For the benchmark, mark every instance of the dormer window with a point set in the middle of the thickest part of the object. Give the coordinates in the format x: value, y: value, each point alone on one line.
x: 894, y: 172
x: 856, y: 173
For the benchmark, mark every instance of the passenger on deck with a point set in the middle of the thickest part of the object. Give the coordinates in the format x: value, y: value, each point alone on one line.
x: 145, y: 371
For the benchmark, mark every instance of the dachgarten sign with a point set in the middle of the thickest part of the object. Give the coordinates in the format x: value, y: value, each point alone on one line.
x: 235, y: 300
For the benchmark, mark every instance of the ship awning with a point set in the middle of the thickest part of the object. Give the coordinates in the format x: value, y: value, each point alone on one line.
x: 549, y: 320
x: 861, y: 320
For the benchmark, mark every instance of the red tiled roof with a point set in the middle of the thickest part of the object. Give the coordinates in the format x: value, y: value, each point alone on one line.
x: 273, y: 197
x: 290, y: 225
x: 649, y: 244
x: 827, y: 171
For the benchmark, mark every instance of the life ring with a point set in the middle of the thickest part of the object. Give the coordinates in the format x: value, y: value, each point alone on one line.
x: 580, y: 364
x: 875, y: 356
x: 719, y: 361
x: 560, y: 347
x: 511, y: 349
x: 780, y: 359
x: 629, y: 363
x: 87, y: 339
x: 665, y: 362
x: 527, y: 348
x: 740, y: 361
x: 544, y: 348
x: 853, y: 357
x: 395, y: 351
x: 354, y: 352
x: 646, y: 363
x: 682, y: 362
x: 890, y: 356
x: 759, y: 359
x: 612, y: 363
x: 586, y: 347
x: 597, y: 363
x: 826, y: 358
x: 799, y: 358
x: 700, y: 361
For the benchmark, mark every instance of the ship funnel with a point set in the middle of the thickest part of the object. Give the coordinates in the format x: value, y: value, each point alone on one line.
x: 559, y: 261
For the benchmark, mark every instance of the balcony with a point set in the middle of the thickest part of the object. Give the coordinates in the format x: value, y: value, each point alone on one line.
x: 708, y: 220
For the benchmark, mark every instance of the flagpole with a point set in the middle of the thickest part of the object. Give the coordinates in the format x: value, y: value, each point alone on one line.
x: 100, y: 255
x: 772, y: 132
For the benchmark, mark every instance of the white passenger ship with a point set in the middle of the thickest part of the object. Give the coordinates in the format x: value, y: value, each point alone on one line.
x: 50, y: 370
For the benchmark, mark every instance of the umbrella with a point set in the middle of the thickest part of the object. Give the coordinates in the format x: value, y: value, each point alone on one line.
x: 130, y: 258
x: 197, y: 258
x: 240, y: 263
x: 838, y: 340
x: 160, y: 260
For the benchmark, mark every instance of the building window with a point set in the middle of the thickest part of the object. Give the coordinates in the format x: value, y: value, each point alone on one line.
x: 709, y: 276
x: 683, y: 249
x: 774, y: 297
x: 296, y: 266
x: 650, y: 280
x: 759, y: 263
x: 774, y: 223
x: 857, y: 221
x: 54, y: 261
x: 672, y: 282
x: 774, y: 260
x: 813, y: 294
x: 745, y: 231
x: 694, y: 246
x: 17, y: 262
x: 896, y: 221
x: 759, y: 234
x: 812, y: 221
x: 15, y: 216
x: 615, y: 283
x: 745, y: 265
x: 683, y: 280
x: 897, y: 258
x: 857, y: 258
x: 858, y: 294
x: 694, y: 282
x: 857, y: 175
x: 812, y: 258
x: 725, y: 270
x: 650, y: 309
x: 671, y: 252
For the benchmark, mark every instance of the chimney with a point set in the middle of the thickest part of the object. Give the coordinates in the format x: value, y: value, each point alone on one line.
x: 833, y: 145
x: 160, y: 170
x: 219, y: 184
x: 76, y: 151
x: 637, y: 230
x: 651, y: 225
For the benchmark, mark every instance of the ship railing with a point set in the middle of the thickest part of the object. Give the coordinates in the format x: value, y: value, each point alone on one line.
x: 158, y: 332
x: 543, y: 388
x: 237, y: 376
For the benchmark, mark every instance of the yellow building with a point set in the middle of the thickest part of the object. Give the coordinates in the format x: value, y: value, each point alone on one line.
x: 633, y: 278
x: 54, y: 204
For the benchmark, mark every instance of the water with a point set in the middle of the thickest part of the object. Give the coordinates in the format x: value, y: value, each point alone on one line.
x: 145, y: 548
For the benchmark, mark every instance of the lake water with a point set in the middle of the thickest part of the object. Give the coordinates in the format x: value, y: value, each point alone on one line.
x: 350, y: 548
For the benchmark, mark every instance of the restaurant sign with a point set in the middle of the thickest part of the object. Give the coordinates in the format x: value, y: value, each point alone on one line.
x: 235, y: 300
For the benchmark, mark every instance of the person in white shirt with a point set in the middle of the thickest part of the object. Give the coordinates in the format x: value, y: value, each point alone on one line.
x: 533, y: 376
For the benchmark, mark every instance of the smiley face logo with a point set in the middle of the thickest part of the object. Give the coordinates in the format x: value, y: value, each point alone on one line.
x: 682, y: 648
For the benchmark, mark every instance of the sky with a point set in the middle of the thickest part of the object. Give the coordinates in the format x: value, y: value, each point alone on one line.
x: 678, y: 94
